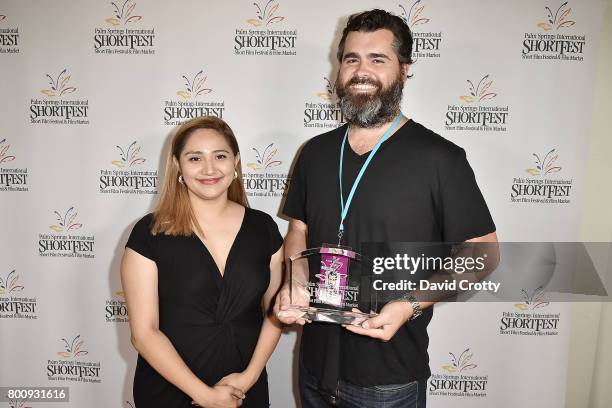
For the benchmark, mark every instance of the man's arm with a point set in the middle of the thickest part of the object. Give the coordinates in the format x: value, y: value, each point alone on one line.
x: 394, y: 314
x: 295, y: 241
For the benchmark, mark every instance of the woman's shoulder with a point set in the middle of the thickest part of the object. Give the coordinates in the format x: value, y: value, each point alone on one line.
x: 141, y: 239
x: 265, y: 228
x: 145, y: 222
x: 143, y: 226
x: 258, y: 214
x: 261, y: 218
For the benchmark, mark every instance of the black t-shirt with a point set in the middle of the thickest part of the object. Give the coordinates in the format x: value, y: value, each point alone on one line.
x: 418, y: 187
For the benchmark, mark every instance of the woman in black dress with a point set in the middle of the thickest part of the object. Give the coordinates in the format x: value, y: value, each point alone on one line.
x: 199, y: 275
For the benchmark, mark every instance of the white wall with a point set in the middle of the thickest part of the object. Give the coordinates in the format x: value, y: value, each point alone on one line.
x: 589, y: 376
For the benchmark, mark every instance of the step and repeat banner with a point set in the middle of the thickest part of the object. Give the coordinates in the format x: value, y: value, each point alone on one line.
x: 90, y: 93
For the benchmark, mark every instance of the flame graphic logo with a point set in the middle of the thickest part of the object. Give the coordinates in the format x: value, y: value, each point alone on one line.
x: 480, y: 92
x: 558, y: 19
x: 266, y: 159
x: 330, y: 90
x: 10, y: 284
x: 532, y: 301
x: 194, y: 87
x: 544, y: 166
x: 123, y: 15
x: 461, y: 363
x: 59, y: 86
x: 413, y: 17
x: 73, y: 349
x: 4, y: 156
x: 266, y: 15
x: 129, y: 157
x: 66, y: 222
x: 18, y: 404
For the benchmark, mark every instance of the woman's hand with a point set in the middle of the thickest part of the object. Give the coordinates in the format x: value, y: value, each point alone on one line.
x: 220, y: 396
x: 243, y: 381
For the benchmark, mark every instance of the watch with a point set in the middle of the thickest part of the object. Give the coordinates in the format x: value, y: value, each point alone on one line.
x: 416, y: 306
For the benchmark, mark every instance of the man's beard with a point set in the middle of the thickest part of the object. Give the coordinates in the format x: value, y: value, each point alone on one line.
x: 369, y: 110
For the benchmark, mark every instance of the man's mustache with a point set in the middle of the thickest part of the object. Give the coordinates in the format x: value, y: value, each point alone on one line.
x: 363, y: 81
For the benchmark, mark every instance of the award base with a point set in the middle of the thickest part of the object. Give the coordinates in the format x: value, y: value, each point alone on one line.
x: 318, y: 314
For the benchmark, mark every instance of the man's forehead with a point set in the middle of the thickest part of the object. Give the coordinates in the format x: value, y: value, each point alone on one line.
x: 370, y: 41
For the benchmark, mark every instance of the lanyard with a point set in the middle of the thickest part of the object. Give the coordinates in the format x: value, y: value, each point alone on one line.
x: 345, y: 208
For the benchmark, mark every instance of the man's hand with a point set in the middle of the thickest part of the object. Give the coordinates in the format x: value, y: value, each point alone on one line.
x: 289, y: 315
x: 384, y: 326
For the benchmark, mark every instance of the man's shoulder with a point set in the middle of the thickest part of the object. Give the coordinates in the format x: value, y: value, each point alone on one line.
x: 430, y: 142
x: 323, y: 141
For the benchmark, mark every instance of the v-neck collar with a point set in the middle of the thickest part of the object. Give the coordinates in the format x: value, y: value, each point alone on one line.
x: 353, y: 155
x: 221, y: 275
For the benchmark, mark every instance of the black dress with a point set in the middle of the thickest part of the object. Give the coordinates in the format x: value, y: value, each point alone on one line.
x: 213, y: 321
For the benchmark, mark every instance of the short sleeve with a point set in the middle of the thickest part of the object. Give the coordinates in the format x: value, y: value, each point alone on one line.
x: 464, y: 210
x: 141, y: 239
x: 275, y: 237
x: 295, y: 203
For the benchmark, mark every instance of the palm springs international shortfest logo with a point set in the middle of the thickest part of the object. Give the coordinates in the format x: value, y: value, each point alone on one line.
x: 11, y: 178
x: 459, y: 378
x: 556, y: 38
x: 127, y: 173
x: 10, y: 283
x: 265, y: 32
x: 531, y: 301
x: 14, y: 304
x: 9, y: 36
x: 323, y: 112
x: 478, y: 110
x: 264, y: 160
x: 124, y: 15
x: 542, y: 184
x: 64, y: 239
x: 426, y: 43
x: 530, y: 318
x: 263, y: 179
x: 266, y: 15
x: 71, y: 364
x: 460, y: 363
x: 115, y: 309
x: 123, y: 32
x: 128, y: 157
x: 329, y: 94
x: 193, y: 99
x: 5, y: 155
x: 57, y: 104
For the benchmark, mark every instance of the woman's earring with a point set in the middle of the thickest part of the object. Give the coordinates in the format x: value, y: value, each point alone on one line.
x: 180, y: 179
x: 235, y: 174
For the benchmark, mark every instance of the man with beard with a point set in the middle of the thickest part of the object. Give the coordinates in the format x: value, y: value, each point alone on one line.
x: 416, y: 187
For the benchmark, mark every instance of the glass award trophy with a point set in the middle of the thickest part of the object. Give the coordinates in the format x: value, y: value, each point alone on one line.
x: 331, y: 284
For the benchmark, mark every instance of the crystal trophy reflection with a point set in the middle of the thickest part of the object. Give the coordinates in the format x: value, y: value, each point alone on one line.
x: 331, y: 284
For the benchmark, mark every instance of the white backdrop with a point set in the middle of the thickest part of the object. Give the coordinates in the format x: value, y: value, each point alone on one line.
x: 91, y: 91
